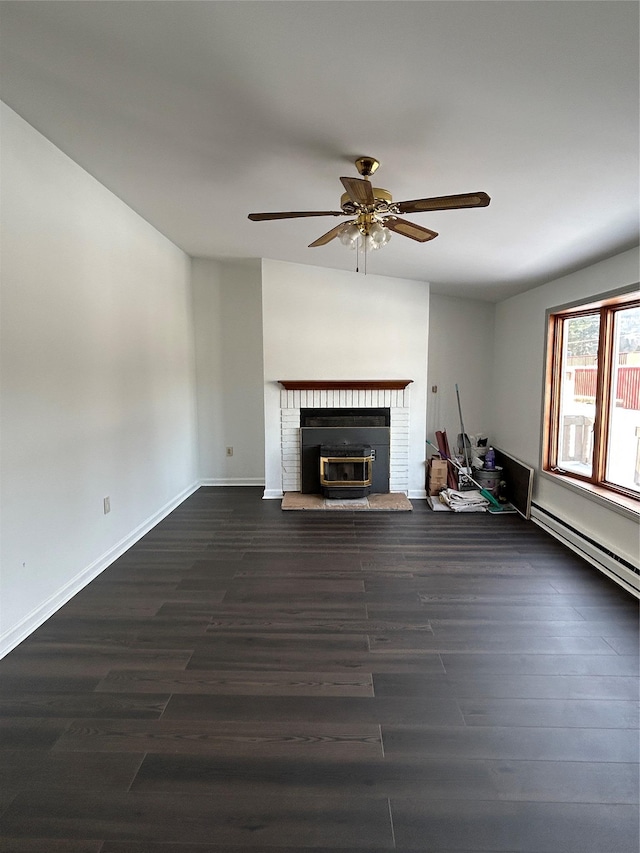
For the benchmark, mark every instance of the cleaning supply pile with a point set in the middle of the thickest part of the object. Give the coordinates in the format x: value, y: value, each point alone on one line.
x: 469, y: 481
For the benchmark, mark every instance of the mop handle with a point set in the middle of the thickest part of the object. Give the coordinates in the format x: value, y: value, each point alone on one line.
x: 464, y: 432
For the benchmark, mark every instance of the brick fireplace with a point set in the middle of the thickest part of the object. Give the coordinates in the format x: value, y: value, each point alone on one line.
x: 345, y: 394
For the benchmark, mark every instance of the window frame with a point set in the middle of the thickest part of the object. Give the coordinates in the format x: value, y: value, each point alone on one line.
x: 606, y: 306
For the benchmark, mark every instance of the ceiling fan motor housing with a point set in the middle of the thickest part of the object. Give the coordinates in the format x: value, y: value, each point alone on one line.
x: 383, y: 200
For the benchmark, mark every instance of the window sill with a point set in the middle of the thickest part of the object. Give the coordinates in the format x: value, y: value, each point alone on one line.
x: 606, y: 498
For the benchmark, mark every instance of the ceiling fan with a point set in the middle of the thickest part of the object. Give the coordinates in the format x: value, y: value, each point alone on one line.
x: 376, y: 214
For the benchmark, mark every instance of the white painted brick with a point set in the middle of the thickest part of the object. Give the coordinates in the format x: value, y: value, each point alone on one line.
x: 396, y: 401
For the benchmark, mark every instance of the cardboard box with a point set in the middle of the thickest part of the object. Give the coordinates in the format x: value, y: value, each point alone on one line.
x: 437, y: 475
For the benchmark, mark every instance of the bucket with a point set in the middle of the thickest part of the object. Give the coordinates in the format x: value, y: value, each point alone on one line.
x: 488, y: 479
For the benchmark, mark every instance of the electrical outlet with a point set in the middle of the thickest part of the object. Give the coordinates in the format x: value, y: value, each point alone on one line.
x: 229, y: 451
x: 106, y: 505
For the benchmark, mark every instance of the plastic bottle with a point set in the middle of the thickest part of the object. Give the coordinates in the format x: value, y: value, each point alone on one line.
x: 490, y: 459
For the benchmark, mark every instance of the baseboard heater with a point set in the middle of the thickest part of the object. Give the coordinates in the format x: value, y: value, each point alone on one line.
x: 611, y: 564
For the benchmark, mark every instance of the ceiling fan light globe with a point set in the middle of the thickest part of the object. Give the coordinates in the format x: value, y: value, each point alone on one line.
x: 378, y: 234
x: 349, y: 235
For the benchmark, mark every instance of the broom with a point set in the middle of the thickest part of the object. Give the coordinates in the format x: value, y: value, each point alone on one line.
x: 484, y: 492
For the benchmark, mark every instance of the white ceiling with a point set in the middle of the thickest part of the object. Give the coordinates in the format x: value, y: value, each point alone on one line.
x: 198, y: 113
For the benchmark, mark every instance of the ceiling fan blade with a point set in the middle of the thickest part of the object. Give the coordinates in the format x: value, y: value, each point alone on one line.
x: 358, y: 190
x: 260, y: 217
x: 444, y: 202
x: 326, y: 238
x: 410, y: 229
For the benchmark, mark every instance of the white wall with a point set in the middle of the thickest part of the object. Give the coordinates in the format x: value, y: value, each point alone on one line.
x: 228, y: 334
x: 332, y: 324
x: 98, y: 388
x: 518, y: 374
x: 460, y: 352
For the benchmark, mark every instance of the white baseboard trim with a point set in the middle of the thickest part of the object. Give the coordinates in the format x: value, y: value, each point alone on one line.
x: 15, y: 635
x: 418, y: 495
x: 606, y: 561
x: 233, y: 481
x: 272, y: 495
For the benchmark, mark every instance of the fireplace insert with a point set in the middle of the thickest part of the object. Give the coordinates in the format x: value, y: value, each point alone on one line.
x: 346, y: 470
x: 345, y: 452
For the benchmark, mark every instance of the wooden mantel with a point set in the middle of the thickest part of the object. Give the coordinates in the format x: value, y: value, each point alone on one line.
x: 344, y: 384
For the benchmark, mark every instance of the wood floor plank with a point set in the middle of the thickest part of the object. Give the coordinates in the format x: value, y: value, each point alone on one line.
x: 432, y: 778
x: 27, y: 733
x: 309, y: 741
x: 490, y: 685
x: 89, y: 661
x: 244, y: 683
x: 282, y: 625
x: 126, y: 705
x: 460, y: 629
x: 300, y: 614
x: 605, y: 714
x: 517, y: 642
x: 526, y: 744
x: 69, y: 770
x: 304, y: 821
x: 51, y: 845
x: 348, y: 660
x: 530, y: 826
x: 362, y: 779
x: 540, y: 664
x: 407, y: 710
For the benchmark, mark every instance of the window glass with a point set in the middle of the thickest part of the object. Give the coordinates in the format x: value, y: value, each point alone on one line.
x: 623, y: 452
x: 578, y: 380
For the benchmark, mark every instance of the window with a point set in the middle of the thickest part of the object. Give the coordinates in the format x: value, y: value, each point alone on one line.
x: 592, y: 423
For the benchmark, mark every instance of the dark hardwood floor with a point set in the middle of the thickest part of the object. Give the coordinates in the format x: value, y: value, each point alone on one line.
x: 247, y: 679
